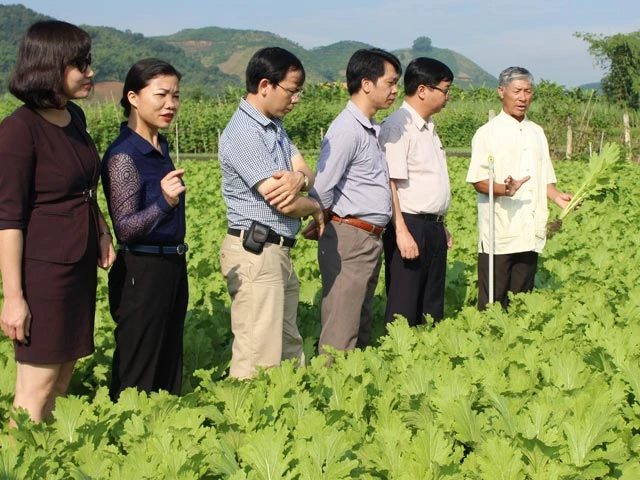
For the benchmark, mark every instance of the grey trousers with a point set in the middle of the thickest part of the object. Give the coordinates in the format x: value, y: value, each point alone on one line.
x: 350, y: 260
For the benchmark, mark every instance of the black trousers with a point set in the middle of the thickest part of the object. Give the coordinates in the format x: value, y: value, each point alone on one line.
x: 513, y: 272
x: 416, y: 287
x: 148, y: 297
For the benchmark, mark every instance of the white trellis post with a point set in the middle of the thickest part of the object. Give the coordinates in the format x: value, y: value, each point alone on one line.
x: 177, y: 144
x: 492, y: 228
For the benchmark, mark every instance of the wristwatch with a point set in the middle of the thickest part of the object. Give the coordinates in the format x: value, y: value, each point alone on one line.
x: 306, y: 182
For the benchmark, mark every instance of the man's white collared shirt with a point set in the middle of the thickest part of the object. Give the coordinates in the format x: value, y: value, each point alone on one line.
x: 519, y: 149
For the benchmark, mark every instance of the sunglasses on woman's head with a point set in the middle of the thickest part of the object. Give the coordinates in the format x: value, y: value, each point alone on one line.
x: 81, y: 63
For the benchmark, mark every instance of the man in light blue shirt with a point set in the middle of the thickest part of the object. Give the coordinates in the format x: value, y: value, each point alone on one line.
x: 352, y: 186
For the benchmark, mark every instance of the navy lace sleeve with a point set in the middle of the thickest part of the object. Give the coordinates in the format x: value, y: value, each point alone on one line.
x: 124, y: 194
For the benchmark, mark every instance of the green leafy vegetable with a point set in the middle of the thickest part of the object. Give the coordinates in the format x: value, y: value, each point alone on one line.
x: 599, y: 177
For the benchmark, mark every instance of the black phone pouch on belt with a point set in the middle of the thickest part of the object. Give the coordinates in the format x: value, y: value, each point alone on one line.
x: 255, y: 238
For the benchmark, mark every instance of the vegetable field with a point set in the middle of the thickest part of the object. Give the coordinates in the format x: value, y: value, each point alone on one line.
x: 548, y: 390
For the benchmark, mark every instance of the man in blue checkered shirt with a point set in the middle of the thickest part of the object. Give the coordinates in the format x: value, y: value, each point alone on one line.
x: 263, y: 177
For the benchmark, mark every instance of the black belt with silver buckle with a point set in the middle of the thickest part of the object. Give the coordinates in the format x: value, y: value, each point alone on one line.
x: 271, y: 238
x: 157, y: 249
x: 431, y: 217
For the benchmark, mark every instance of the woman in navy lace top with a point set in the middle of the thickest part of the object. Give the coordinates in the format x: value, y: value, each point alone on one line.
x: 148, y: 290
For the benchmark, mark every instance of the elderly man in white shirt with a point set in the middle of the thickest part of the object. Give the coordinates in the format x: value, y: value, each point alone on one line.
x: 521, y: 156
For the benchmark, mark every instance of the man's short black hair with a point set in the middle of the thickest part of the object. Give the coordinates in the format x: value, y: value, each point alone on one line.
x: 369, y: 63
x: 425, y: 71
x: 272, y: 63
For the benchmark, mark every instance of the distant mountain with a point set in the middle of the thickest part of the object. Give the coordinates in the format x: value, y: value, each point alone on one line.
x: 467, y: 74
x: 227, y: 49
x: 114, y: 52
x: 231, y: 49
x: 597, y: 86
x: 211, y: 59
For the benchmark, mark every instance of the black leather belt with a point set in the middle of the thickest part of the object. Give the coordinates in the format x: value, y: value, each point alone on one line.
x: 427, y: 216
x: 271, y: 238
x: 157, y: 249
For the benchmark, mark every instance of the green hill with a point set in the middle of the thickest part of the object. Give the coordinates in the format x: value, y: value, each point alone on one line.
x: 14, y: 19
x: 331, y: 60
x: 212, y: 59
x: 231, y: 49
x: 114, y: 52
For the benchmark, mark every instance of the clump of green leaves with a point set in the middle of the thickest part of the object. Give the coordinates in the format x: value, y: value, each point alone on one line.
x: 599, y: 177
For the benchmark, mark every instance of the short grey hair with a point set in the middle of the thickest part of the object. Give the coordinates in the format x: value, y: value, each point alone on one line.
x: 510, y: 74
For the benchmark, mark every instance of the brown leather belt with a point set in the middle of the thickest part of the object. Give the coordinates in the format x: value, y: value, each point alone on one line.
x: 361, y: 224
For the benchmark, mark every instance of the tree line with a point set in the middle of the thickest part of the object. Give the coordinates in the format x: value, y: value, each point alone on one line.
x: 592, y: 116
x: 200, y: 121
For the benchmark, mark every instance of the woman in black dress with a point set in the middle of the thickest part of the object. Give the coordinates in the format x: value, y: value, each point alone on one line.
x: 52, y: 232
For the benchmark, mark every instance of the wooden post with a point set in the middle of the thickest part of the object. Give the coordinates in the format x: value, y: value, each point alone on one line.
x: 492, y: 114
x: 569, y: 139
x: 627, y: 133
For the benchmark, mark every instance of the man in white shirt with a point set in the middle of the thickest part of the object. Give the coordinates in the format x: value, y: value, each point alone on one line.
x: 416, y: 240
x: 520, y: 151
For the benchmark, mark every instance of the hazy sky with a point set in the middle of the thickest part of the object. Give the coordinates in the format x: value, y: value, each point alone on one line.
x: 494, y: 34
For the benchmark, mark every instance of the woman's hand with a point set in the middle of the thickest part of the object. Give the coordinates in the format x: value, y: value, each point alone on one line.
x: 172, y: 186
x: 107, y: 254
x: 15, y: 319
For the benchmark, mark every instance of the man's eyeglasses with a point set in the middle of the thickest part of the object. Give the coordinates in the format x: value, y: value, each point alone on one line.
x: 81, y: 63
x: 445, y: 91
x: 294, y: 93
